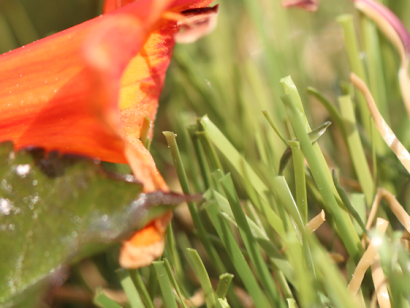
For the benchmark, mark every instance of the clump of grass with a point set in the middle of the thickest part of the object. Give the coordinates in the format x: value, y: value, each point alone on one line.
x: 260, y: 196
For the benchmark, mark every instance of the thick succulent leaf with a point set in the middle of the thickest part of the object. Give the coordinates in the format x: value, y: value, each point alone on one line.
x: 58, y: 209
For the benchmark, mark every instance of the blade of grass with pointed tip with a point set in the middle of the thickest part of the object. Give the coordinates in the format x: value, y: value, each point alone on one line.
x: 165, y: 285
x: 290, y: 88
x: 314, y: 136
x: 213, y: 255
x: 203, y: 277
x: 250, y: 243
x: 237, y: 257
x: 259, y: 235
x: 199, y: 151
x: 306, y: 294
x: 214, y: 161
x: 333, y: 112
x: 346, y: 202
x: 174, y: 282
x: 129, y: 288
x: 349, y: 238
x: 142, y: 290
x: 283, y: 194
x: 273, y: 125
x: 101, y: 300
x: 239, y: 164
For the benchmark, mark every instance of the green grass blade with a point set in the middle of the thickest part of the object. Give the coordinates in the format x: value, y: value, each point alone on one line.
x: 351, y: 240
x: 347, y: 203
x: 337, y: 289
x: 223, y: 303
x: 165, y: 285
x: 243, y: 168
x: 300, y: 180
x: 250, y: 243
x: 223, y: 285
x: 290, y: 88
x: 356, y: 65
x: 307, y: 295
x: 203, y: 277
x: 129, y: 288
x: 236, y: 256
x: 174, y: 282
x: 333, y: 112
x: 101, y: 300
x: 202, y: 234
x: 199, y: 151
x: 356, y: 148
x: 142, y: 290
x: 273, y: 125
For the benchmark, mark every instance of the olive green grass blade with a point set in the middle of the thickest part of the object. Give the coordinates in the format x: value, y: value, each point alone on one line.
x: 101, y: 300
x: 201, y: 273
x: 356, y: 65
x: 356, y: 149
x: 129, y: 288
x: 174, y: 282
x: 142, y: 290
x: 236, y: 256
x: 244, y: 169
x: 168, y: 296
x: 202, y: 234
x: 348, y: 236
x: 250, y: 242
x: 223, y: 285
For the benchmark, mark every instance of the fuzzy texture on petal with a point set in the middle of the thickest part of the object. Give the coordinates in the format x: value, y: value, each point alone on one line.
x: 86, y: 90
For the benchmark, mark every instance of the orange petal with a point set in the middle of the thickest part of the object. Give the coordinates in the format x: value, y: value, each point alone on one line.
x: 86, y: 91
x: 61, y: 93
x: 146, y: 245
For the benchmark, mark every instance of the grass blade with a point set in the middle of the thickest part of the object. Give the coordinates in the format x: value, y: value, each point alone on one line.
x: 350, y: 239
x: 165, y: 285
x: 223, y: 285
x: 129, y: 288
x: 250, y: 243
x: 203, y: 277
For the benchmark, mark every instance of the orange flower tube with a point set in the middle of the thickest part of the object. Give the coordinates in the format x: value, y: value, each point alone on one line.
x: 86, y: 90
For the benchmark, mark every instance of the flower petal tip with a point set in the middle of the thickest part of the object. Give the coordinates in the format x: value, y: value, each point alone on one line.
x: 307, y: 5
x: 196, y: 24
x: 146, y: 245
x: 380, y: 14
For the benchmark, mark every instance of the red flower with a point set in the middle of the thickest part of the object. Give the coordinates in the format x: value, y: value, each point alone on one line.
x: 86, y: 90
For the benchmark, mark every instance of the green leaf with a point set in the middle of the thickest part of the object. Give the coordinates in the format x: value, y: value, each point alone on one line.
x: 56, y: 210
